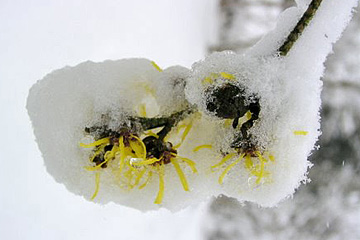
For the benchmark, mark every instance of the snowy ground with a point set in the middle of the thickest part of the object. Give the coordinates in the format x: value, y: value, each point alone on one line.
x: 40, y: 36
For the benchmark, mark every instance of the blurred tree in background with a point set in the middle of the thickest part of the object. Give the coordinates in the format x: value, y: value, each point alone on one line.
x: 329, y: 206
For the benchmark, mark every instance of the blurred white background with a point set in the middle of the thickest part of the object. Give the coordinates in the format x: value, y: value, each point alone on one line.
x: 39, y: 36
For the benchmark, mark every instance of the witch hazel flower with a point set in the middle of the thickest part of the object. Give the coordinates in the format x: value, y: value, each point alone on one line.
x: 104, y: 133
x: 266, y: 103
x: 136, y: 158
x: 225, y: 87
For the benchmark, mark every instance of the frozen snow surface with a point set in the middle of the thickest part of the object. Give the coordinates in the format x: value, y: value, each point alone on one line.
x: 210, y: 155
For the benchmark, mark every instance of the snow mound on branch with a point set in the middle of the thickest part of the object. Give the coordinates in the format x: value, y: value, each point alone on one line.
x: 68, y: 100
x: 286, y: 130
x: 288, y: 89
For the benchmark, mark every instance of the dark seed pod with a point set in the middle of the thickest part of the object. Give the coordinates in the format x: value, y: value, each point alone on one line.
x: 227, y: 101
x: 154, y: 146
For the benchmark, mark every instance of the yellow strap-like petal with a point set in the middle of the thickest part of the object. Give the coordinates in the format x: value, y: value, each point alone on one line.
x: 202, y: 147
x: 224, y: 160
x: 122, y: 153
x: 142, y: 110
x: 147, y: 180
x: 96, y: 143
x: 262, y: 167
x: 227, y: 76
x: 145, y: 162
x: 180, y: 174
x: 151, y: 133
x: 189, y: 162
x: 207, y: 80
x: 248, y: 162
x: 140, y: 174
x: 160, y: 195
x: 156, y: 66
x: 97, y: 186
x: 140, y: 151
x: 248, y: 115
x: 185, y: 133
x: 303, y: 133
x: 228, y: 168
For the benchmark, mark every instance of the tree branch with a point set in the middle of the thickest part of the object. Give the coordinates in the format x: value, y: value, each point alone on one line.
x: 300, y: 27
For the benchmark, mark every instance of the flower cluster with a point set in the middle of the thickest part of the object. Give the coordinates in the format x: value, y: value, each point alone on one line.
x: 137, y: 152
x: 220, y: 137
x: 134, y: 160
x: 239, y: 125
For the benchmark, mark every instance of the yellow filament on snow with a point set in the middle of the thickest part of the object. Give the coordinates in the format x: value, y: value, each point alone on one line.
x: 181, y: 127
x: 202, y: 147
x: 224, y: 160
x: 96, y: 143
x: 97, y: 185
x: 248, y: 162
x: 147, y: 180
x: 142, y: 110
x: 183, y: 136
x: 227, y: 76
x: 122, y: 153
x: 210, y: 79
x: 189, y: 162
x: 138, y: 177
x: 156, y: 66
x: 228, y: 168
x: 260, y: 174
x: 303, y: 133
x: 180, y: 174
x: 97, y: 167
x: 186, y: 132
x: 146, y: 162
x: 129, y: 175
x: 148, y: 89
x: 160, y: 195
x: 207, y: 80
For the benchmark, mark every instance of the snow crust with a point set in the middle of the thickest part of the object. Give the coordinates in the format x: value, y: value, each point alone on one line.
x: 288, y: 89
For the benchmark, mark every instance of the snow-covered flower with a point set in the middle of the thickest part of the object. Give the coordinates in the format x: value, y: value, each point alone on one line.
x: 105, y: 133
x: 266, y: 103
x: 129, y: 132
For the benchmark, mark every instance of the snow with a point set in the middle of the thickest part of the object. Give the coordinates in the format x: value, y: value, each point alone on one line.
x: 267, y: 168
